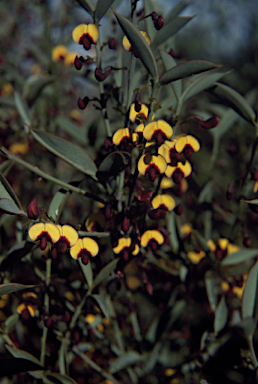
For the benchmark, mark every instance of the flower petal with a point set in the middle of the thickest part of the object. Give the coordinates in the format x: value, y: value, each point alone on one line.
x: 90, y: 246
x: 123, y: 242
x: 132, y: 115
x: 164, y: 200
x: 120, y: 135
x: 151, y: 234
x: 79, y: 32
x: 152, y: 128
x: 76, y: 249
x: 36, y: 231
x: 93, y: 32
x: 59, y: 53
x: 70, y: 234
x: 183, y: 141
x: 53, y: 232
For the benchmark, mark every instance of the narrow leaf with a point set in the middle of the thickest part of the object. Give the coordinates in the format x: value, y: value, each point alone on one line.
x: 171, y: 29
x: 221, y: 315
x: 186, y: 69
x: 9, y: 206
x: 169, y: 62
x: 139, y: 45
x: 179, y: 7
x: 239, y: 257
x: 236, y: 101
x: 7, y: 192
x: 13, y: 287
x: 129, y: 358
x: 33, y: 88
x: 200, y: 84
x: 9, y: 324
x: 57, y: 203
x: 18, y: 353
x: 87, y: 272
x: 101, y: 304
x: 105, y: 272
x: 250, y: 293
x: 87, y: 5
x: 255, y: 201
x: 112, y: 165
x: 67, y: 151
x: 23, y: 110
x: 101, y: 9
x: 63, y: 379
x: 71, y: 128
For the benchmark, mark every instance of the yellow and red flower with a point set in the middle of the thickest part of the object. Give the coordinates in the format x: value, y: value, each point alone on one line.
x: 196, y: 257
x: 86, y: 34
x: 152, y: 238
x: 44, y: 232
x: 123, y: 136
x: 59, y: 53
x: 127, y: 45
x: 187, y: 144
x: 69, y: 237
x: 124, y: 247
x: 165, y: 202
x: 26, y: 310
x: 168, y: 151
x: 83, y: 249
x: 142, y: 113
x: 152, y: 165
x: 158, y: 131
x: 179, y: 171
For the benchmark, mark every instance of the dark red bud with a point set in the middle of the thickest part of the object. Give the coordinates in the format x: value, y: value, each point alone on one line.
x: 82, y: 104
x: 107, y: 211
x: 178, y: 210
x: 84, y: 259
x: 32, y: 210
x: 78, y: 63
x: 154, y: 15
x: 158, y: 24
x: 102, y: 75
x: 43, y: 243
x: 177, y: 176
x: 137, y: 102
x: 86, y: 41
x: 188, y: 151
x: 125, y: 254
x: 107, y: 144
x: 207, y: 124
x: 54, y: 253
x: 112, y: 43
x: 125, y: 225
x: 153, y: 245
x: 25, y: 314
x: 152, y: 174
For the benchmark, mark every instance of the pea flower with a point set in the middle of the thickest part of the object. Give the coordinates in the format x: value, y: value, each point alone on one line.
x: 169, y: 152
x: 85, y: 34
x: 26, y: 310
x: 164, y: 201
x: 179, y: 171
x: 152, y: 165
x: 69, y: 237
x: 158, y: 131
x: 152, y: 238
x: 124, y: 247
x: 44, y: 232
x: 123, y: 136
x: 133, y: 114
x: 196, y: 257
x: 59, y: 53
x: 127, y: 45
x: 83, y: 249
x: 187, y: 144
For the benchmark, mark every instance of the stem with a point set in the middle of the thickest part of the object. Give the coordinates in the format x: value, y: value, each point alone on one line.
x: 46, y: 305
x: 120, y: 185
x: 95, y: 366
x: 131, y: 76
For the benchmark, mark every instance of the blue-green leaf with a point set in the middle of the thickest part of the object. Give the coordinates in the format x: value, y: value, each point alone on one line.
x: 239, y: 257
x: 101, y: 304
x: 71, y: 128
x: 169, y: 62
x: 7, y: 192
x: 57, y: 203
x: 101, y: 9
x: 88, y: 5
x: 5, y: 289
x: 250, y: 293
x: 105, y: 272
x: 9, y: 206
x: 221, y: 315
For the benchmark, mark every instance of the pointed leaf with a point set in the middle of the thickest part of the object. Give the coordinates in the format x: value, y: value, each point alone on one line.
x: 73, y: 130
x: 170, y: 29
x: 254, y: 201
x: 186, y: 69
x: 101, y: 304
x: 236, y: 101
x: 200, y: 84
x: 57, y: 203
x: 9, y: 206
x: 139, y: 45
x: 9, y: 324
x: 112, y: 165
x: 127, y: 359
x: 13, y: 287
x: 221, y: 315
x: 22, y: 109
x: 88, y: 5
x: 18, y: 353
x: 179, y: 7
x: 105, y: 272
x: 7, y: 192
x: 169, y: 62
x: 101, y: 9
x: 250, y: 293
x: 58, y: 378
x: 239, y: 257
x: 150, y: 29
x: 67, y: 151
x: 87, y: 272
x: 33, y: 88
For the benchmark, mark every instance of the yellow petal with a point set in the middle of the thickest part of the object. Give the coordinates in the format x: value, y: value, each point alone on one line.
x: 146, y: 37
x: 53, y: 232
x: 152, y: 128
x: 211, y: 245
x: 21, y: 308
x: 232, y: 248
x: 90, y: 245
x: 36, y: 231
x: 70, y: 234
x: 90, y: 318
x: 59, y: 53
x: 159, y: 162
x: 93, y: 32
x: 76, y: 249
x: 120, y: 135
x: 223, y: 243
x: 139, y: 128
x: 164, y: 200
x: 79, y: 32
x: 126, y: 44
x: 31, y: 310
x: 123, y: 242
x: 151, y: 234
x: 166, y: 183
x: 187, y: 140
x: 136, y: 250
x: 132, y: 115
x: 186, y: 229
x: 69, y: 59
x: 185, y: 168
x: 196, y: 257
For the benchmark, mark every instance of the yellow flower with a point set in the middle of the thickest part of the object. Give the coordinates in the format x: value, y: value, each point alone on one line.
x: 59, y: 53
x: 44, y: 232
x: 187, y: 144
x: 124, y: 245
x: 69, y: 58
x: 179, y: 171
x: 133, y: 114
x: 84, y: 248
x: 86, y: 34
x: 167, y: 202
x: 152, y: 165
x: 21, y: 148
x: 151, y: 235
x: 196, y: 257
x: 158, y: 131
x: 127, y: 45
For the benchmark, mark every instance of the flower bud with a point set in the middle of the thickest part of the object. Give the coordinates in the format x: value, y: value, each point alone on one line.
x: 158, y: 24
x: 102, y: 75
x: 82, y: 103
x: 112, y: 43
x: 178, y: 210
x: 32, y: 210
x: 78, y: 63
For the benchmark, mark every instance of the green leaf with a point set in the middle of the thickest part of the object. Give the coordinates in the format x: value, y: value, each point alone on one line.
x: 58, y: 378
x: 210, y: 289
x: 23, y: 110
x: 186, y: 69
x: 169, y: 62
x: 15, y: 254
x: 101, y: 9
x: 105, y: 272
x: 101, y: 304
x: 250, y: 293
x: 32, y: 87
x: 67, y: 151
x: 72, y: 129
x: 18, y: 353
x: 179, y: 7
x: 57, y: 203
x: 7, y: 192
x: 129, y: 358
x: 236, y: 101
x: 239, y: 257
x: 200, y: 84
x: 88, y: 5
x: 10, y: 366
x: 221, y: 316
x: 148, y: 8
x: 171, y: 29
x: 229, y: 118
x: 9, y: 206
x: 5, y: 289
x: 10, y: 323
x: 254, y: 201
x: 112, y: 165
x: 139, y: 45
x: 173, y: 237
x: 87, y: 272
